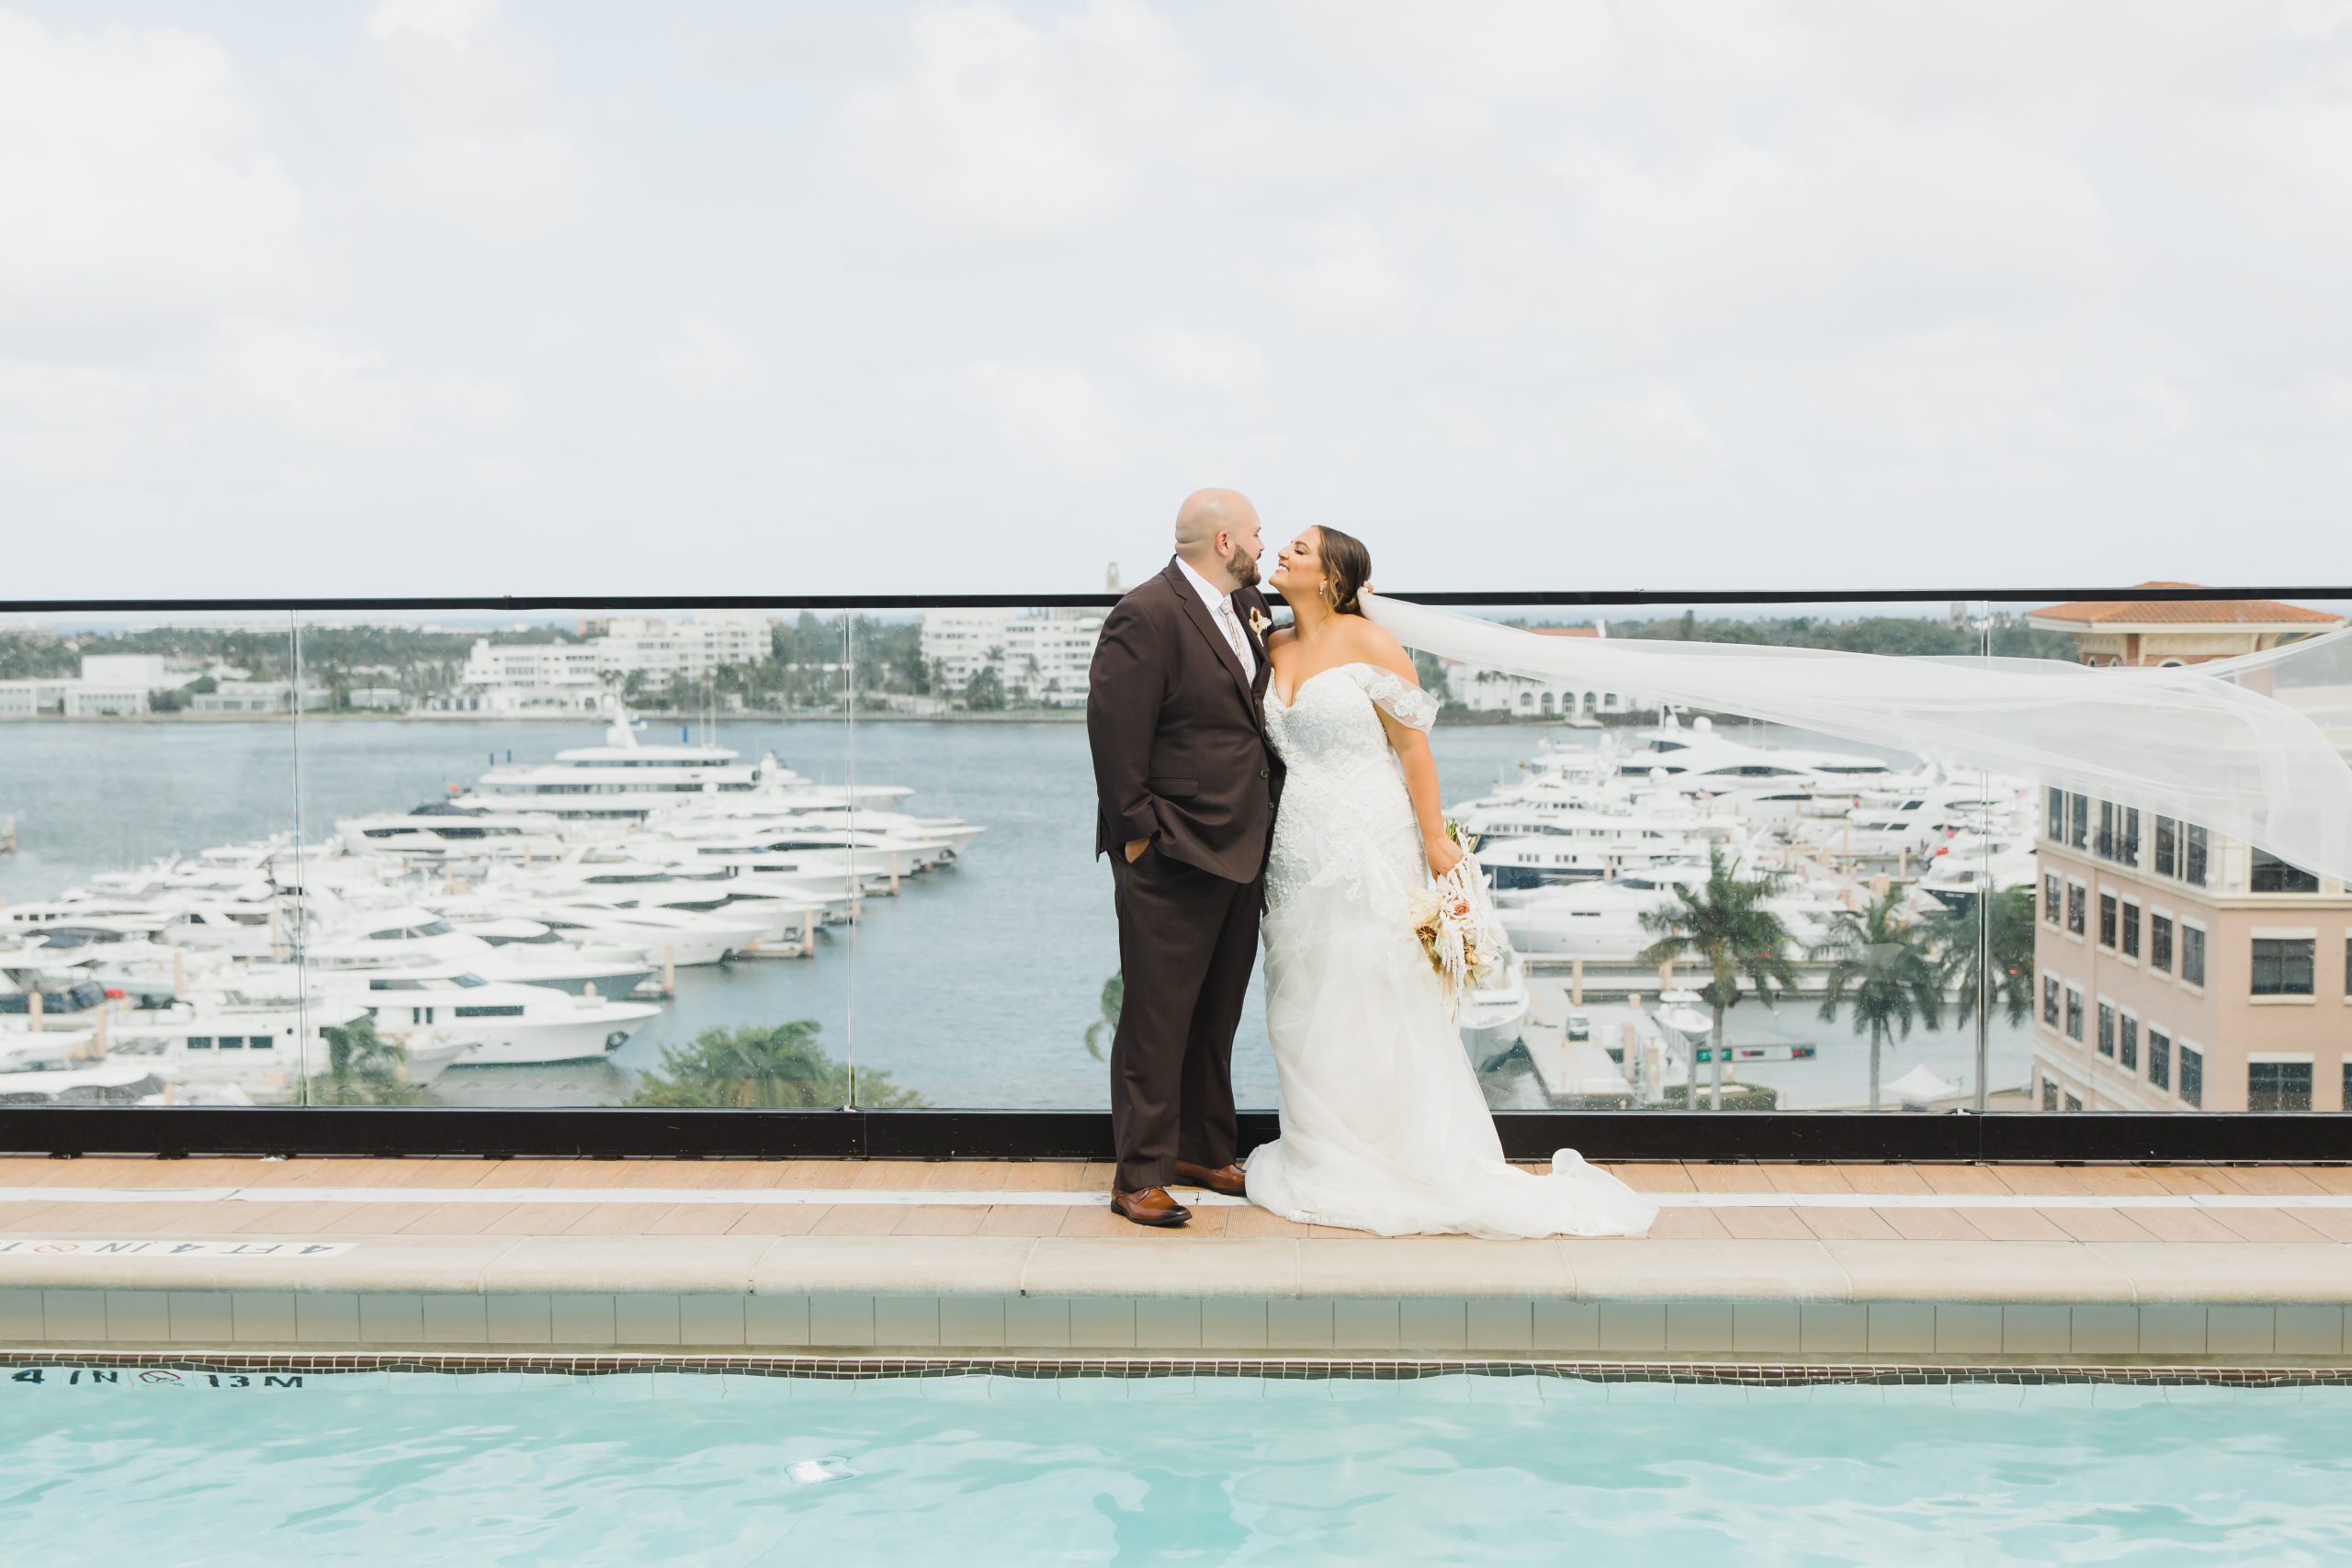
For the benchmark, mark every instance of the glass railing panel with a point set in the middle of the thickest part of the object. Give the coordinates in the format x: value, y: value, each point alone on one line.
x: 1863, y: 864
x: 989, y: 960
x: 2181, y: 969
x: 148, y: 812
x: 535, y: 872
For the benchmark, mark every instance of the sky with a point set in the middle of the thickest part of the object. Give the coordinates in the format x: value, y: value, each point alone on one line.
x: 479, y: 297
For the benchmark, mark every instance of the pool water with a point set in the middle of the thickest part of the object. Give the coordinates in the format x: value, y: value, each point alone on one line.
x: 417, y: 1467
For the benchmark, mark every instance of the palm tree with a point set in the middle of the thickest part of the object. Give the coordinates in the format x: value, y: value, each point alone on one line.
x: 1726, y: 926
x: 1882, y: 965
x: 1114, y: 992
x: 363, y: 1068
x: 1997, y: 935
x: 783, y: 1068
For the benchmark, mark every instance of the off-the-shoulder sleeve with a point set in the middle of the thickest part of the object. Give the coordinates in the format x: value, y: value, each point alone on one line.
x: 1397, y: 697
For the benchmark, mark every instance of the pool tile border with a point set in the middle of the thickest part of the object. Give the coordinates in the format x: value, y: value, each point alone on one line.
x: 870, y: 1368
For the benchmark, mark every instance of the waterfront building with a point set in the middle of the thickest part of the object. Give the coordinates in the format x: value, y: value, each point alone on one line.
x: 563, y: 672
x: 1041, y: 658
x: 690, y: 649
x: 2178, y: 969
x: 110, y: 686
x: 1499, y: 691
x: 146, y: 672
x: 258, y: 697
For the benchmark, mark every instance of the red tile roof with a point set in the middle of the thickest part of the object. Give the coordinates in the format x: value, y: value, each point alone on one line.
x: 1566, y: 631
x: 2184, y: 612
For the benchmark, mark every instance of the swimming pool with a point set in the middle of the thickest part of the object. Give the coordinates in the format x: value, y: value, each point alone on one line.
x: 410, y: 1468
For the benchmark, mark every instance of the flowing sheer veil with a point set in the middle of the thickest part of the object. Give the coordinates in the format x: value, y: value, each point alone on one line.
x: 2208, y: 743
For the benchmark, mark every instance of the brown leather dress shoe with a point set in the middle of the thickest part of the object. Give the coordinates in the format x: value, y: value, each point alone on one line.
x: 1152, y: 1206
x: 1224, y: 1178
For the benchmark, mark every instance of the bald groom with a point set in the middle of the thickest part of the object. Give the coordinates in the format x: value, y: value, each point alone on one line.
x: 1186, y: 788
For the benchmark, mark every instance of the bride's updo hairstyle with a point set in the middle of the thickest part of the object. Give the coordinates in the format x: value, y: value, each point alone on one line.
x: 1349, y: 565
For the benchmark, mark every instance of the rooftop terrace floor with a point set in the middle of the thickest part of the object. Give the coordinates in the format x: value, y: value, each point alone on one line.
x: 2131, y: 1264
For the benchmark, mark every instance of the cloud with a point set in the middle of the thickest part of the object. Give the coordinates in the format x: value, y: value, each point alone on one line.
x: 480, y: 142
x: 996, y: 124
x: 1220, y: 361
x: 707, y: 364
x: 1047, y: 416
x: 137, y: 189
x: 308, y: 382
x: 1341, y: 268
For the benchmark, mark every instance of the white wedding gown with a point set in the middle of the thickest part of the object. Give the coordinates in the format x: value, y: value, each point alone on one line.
x: 1384, y: 1128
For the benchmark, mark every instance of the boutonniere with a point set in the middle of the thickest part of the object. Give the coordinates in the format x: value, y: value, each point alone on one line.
x: 1258, y: 623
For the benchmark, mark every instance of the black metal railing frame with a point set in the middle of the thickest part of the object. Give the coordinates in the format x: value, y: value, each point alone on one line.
x: 617, y: 1133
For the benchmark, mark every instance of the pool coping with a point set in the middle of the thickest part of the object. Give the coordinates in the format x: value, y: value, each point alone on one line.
x: 836, y: 1369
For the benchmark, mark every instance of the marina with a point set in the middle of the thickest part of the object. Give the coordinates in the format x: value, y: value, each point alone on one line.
x: 568, y: 912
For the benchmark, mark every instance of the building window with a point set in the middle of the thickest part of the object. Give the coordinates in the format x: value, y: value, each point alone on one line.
x: 2193, y: 854
x: 2192, y: 1074
x: 2073, y: 1102
x: 2073, y: 1015
x: 2160, y: 941
x: 2167, y: 847
x: 2271, y: 875
x: 2278, y: 1086
x: 2131, y: 930
x: 2127, y: 1042
x: 2346, y: 1102
x: 2050, y: 1089
x: 2053, y: 902
x: 2076, y: 896
x: 2192, y: 954
x: 2078, y: 811
x: 2107, y: 919
x: 2119, y: 833
x: 2050, y: 1000
x: 2106, y: 1029
x: 2159, y: 1058
x: 2282, y: 967
x: 2054, y: 817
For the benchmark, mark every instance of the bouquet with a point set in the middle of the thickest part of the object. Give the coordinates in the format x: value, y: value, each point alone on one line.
x: 1457, y: 926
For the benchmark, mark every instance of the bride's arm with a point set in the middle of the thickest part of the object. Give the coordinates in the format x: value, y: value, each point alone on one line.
x: 1413, y: 754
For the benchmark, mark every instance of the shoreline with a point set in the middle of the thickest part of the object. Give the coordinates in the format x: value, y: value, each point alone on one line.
x: 1457, y: 717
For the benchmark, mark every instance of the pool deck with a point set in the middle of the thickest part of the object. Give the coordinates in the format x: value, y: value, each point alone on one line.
x: 2119, y: 1265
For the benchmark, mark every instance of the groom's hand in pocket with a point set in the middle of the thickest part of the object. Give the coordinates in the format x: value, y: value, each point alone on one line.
x: 1136, y: 848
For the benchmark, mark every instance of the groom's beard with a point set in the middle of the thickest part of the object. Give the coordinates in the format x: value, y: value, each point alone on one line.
x: 1242, y: 567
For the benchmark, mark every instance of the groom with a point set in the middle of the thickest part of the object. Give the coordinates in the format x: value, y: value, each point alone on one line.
x: 1186, y: 787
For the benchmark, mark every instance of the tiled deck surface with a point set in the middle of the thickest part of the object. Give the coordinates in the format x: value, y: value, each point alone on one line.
x: 2241, y: 1264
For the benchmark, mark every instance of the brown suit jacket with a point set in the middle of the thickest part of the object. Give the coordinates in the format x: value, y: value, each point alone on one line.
x: 1178, y: 732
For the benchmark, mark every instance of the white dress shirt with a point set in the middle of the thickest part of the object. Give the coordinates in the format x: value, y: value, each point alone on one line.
x: 1221, y: 612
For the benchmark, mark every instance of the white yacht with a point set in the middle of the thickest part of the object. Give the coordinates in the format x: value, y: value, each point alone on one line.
x: 1966, y: 863
x: 1494, y: 1015
x: 38, y: 1050
x: 498, y: 1023
x: 678, y: 938
x: 625, y: 780
x: 410, y: 935
x: 440, y: 831
x: 88, y: 1083
x: 263, y: 1040
x: 1602, y: 921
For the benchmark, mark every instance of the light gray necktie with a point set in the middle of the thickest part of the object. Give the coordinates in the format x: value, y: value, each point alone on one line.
x: 1232, y: 629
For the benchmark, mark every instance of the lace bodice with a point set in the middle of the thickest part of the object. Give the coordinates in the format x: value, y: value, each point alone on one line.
x: 1345, y: 814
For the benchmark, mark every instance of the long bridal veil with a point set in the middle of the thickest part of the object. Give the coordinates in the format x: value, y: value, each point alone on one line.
x: 2212, y: 744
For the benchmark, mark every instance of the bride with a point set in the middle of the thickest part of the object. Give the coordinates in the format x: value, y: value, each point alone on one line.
x: 1383, y: 1124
